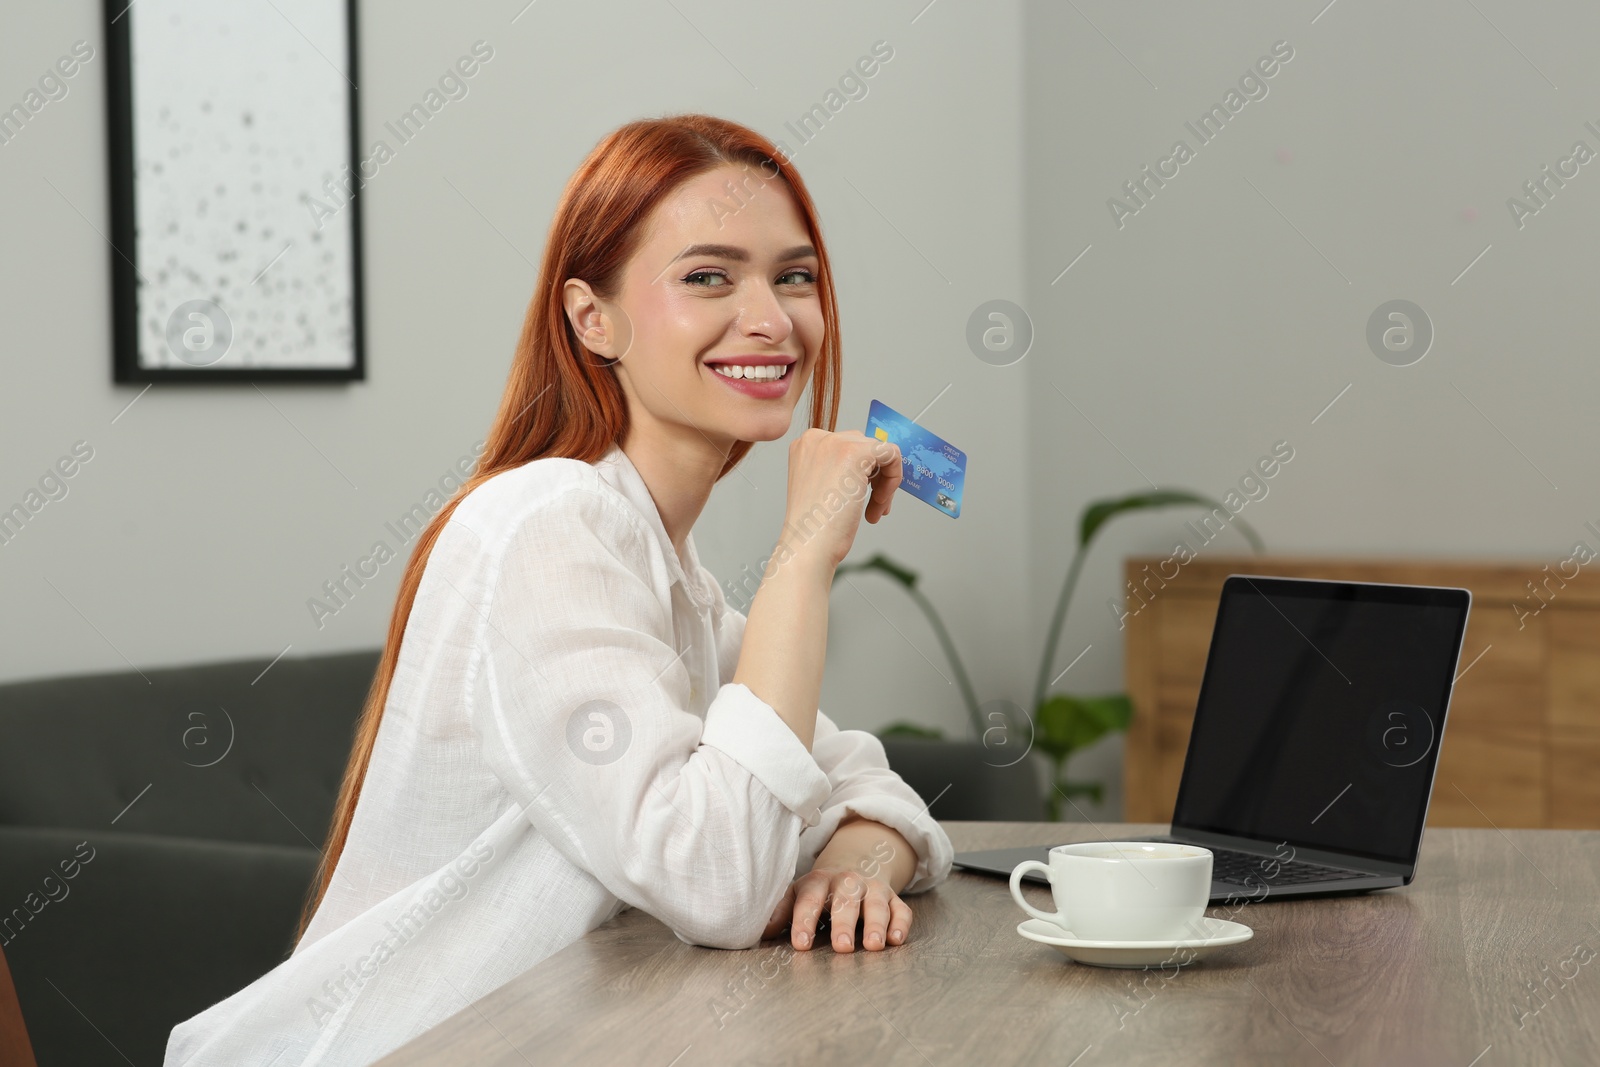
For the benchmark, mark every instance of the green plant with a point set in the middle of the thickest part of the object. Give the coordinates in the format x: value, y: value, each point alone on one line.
x: 1064, y: 723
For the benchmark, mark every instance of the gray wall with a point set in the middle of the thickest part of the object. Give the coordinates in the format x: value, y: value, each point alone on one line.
x: 1220, y: 318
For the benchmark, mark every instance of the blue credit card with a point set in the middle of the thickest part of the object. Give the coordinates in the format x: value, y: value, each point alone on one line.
x: 935, y: 469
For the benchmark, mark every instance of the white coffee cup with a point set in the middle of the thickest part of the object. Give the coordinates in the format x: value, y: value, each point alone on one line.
x: 1124, y: 890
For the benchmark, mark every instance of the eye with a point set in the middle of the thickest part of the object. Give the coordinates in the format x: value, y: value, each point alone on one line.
x: 689, y: 278
x: 805, y: 276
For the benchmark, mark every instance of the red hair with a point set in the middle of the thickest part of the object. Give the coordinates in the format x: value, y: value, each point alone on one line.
x: 597, y: 227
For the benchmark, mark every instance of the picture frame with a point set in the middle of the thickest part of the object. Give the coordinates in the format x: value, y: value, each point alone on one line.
x: 235, y: 191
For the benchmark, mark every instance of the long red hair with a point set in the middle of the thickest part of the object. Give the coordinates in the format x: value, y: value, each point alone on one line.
x: 557, y: 402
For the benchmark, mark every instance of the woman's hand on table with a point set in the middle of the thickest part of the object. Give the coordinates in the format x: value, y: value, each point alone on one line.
x: 837, y: 899
x: 855, y: 881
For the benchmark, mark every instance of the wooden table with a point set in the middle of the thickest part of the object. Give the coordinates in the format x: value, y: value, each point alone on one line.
x: 1444, y: 971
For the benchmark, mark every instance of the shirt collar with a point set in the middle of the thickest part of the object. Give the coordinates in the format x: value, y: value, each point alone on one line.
x: 619, y: 472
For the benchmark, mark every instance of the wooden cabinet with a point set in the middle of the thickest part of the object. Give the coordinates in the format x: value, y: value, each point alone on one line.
x: 1522, y: 741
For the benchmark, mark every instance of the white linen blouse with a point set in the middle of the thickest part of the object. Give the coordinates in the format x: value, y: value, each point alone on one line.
x: 561, y: 741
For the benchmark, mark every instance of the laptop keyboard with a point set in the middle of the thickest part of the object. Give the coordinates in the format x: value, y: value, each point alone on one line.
x: 1241, y: 868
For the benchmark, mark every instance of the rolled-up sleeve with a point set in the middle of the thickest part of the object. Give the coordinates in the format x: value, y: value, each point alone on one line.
x: 581, y: 703
x: 859, y: 777
x: 861, y: 782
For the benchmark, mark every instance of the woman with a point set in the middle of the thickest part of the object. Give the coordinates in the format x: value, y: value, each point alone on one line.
x: 568, y: 718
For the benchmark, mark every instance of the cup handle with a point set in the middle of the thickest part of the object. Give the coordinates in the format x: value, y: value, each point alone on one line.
x: 1016, y: 890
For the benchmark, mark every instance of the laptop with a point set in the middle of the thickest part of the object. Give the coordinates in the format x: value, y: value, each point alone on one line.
x: 1315, y: 739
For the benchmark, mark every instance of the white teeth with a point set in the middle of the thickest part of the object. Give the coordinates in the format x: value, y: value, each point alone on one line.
x: 766, y: 374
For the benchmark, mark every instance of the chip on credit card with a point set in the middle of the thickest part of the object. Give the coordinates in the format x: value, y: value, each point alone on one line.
x: 934, y: 469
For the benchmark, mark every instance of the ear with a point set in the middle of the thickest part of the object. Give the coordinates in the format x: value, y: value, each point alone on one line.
x: 589, y: 320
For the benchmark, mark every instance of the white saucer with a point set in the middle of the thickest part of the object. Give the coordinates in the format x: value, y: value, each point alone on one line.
x: 1221, y: 932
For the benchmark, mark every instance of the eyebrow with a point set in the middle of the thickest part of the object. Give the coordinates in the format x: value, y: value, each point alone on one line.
x: 738, y: 254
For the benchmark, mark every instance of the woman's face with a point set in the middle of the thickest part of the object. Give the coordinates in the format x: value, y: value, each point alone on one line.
x: 726, y: 277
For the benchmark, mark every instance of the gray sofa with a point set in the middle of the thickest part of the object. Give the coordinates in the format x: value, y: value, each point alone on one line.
x: 158, y: 835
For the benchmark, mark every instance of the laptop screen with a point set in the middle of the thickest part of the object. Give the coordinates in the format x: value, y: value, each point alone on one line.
x: 1320, y: 714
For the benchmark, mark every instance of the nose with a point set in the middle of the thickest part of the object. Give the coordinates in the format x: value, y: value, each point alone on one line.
x: 761, y: 315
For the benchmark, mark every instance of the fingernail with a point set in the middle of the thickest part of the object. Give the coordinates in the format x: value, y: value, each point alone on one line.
x: 897, y: 934
x: 804, y: 939
x: 877, y: 938
x: 842, y: 941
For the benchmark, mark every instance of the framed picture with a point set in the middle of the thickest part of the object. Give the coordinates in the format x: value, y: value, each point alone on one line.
x: 235, y: 195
